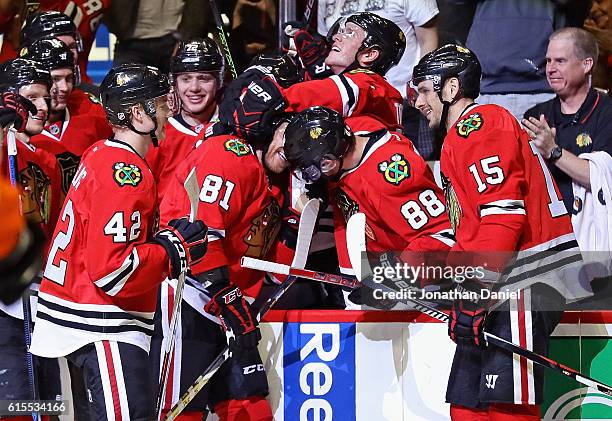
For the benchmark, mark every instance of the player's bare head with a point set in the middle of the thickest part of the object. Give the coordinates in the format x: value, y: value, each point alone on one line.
x: 58, y: 59
x: 31, y: 80
x: 51, y: 24
x: 196, y: 71
x: 283, y: 67
x: 316, y: 141
x: 134, y: 96
x: 365, y: 40
x: 449, y: 73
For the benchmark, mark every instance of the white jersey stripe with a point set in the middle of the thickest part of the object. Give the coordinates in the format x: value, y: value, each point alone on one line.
x: 114, y: 281
x: 106, y: 385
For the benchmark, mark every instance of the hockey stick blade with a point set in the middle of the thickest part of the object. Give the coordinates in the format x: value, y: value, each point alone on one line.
x: 193, y: 192
x: 355, y: 239
x: 308, y: 219
x: 272, y: 267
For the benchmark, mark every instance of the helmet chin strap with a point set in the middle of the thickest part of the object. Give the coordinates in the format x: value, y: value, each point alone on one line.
x: 151, y: 133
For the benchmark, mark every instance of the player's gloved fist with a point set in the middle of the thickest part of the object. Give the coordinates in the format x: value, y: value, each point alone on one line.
x: 318, y: 190
x: 466, y: 323
x: 364, y: 295
x: 251, y: 103
x: 14, y: 109
x: 185, y: 242
x: 237, y: 319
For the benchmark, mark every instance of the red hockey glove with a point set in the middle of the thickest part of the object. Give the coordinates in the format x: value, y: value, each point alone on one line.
x: 14, y: 109
x: 185, y: 242
x: 251, y: 103
x: 237, y: 320
x: 467, y: 322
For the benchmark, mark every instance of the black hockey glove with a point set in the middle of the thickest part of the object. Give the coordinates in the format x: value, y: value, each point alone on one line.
x: 237, y: 320
x: 250, y: 104
x: 312, y: 49
x: 318, y: 190
x: 467, y: 319
x: 14, y: 109
x: 185, y: 242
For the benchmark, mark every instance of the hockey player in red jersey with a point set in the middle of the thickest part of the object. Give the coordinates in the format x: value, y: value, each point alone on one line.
x: 37, y: 178
x: 197, y: 77
x: 97, y: 299
x: 500, y: 198
x: 378, y: 173
x: 53, y: 24
x: 85, y: 15
x: 64, y: 135
x: 364, y: 47
x: 243, y: 219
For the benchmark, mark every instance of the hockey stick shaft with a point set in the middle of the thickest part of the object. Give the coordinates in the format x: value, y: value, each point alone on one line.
x: 355, y: 239
x: 11, y: 144
x: 279, y: 268
x: 222, y: 37
x: 193, y: 191
x: 308, y: 11
x: 308, y: 220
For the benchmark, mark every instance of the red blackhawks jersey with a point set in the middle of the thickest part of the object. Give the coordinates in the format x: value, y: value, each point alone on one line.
x: 83, y: 103
x: 501, y: 197
x: 103, y: 269
x: 358, y: 92
x: 39, y: 177
x: 235, y: 203
x: 180, y: 140
x: 395, y: 189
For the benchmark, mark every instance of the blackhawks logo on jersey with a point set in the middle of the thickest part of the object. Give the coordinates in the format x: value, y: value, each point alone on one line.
x: 470, y: 124
x: 395, y: 170
x: 452, y: 203
x: 68, y: 164
x: 583, y: 139
x: 263, y: 231
x: 127, y: 174
x: 36, y: 196
x: 349, y: 207
x: 237, y: 147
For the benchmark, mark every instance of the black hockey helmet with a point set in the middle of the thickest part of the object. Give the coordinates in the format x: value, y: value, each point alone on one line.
x: 450, y: 61
x: 53, y: 54
x: 198, y: 55
x: 283, y: 67
x: 313, y: 134
x: 381, y: 34
x: 22, y: 72
x: 49, y: 24
x: 132, y: 84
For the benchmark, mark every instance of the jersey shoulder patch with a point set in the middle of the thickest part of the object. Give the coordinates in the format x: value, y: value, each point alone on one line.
x: 237, y: 146
x: 93, y: 98
x: 395, y: 169
x: 469, y: 124
x: 126, y: 174
x: 360, y: 70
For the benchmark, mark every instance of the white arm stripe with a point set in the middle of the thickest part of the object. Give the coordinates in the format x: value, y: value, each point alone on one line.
x: 503, y: 207
x: 114, y: 282
x: 349, y: 93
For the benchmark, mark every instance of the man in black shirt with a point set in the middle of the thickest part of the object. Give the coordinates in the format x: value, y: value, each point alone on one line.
x: 578, y: 119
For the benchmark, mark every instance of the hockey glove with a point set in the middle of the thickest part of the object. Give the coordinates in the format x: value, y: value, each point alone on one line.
x: 237, y: 319
x: 14, y: 109
x: 312, y: 49
x: 251, y: 103
x: 467, y: 319
x: 185, y: 242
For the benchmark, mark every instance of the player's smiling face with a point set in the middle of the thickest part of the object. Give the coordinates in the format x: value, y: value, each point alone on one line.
x: 38, y: 94
x: 196, y: 90
x: 428, y: 103
x: 274, y: 159
x: 346, y: 44
x: 63, y: 82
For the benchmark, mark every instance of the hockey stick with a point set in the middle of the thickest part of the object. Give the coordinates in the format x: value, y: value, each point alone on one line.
x: 11, y: 145
x: 308, y: 220
x: 193, y: 191
x: 272, y: 267
x: 355, y: 240
x: 222, y: 37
